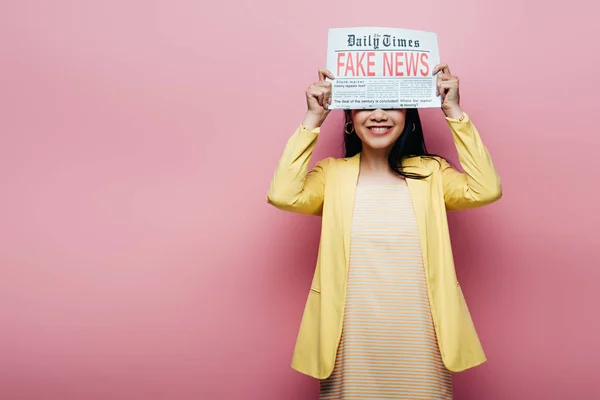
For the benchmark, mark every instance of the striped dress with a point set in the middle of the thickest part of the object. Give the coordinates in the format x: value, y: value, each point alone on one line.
x: 388, y: 347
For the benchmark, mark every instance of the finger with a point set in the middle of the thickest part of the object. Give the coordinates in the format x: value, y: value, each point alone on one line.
x: 325, y: 73
x: 439, y: 80
x: 311, y: 91
x: 314, y: 92
x: 317, y: 87
x: 441, y: 67
x: 321, y: 98
x: 324, y: 84
x: 449, y: 84
x: 327, y: 99
x: 326, y: 95
x: 442, y: 76
x: 319, y: 94
x: 446, y: 86
x: 442, y: 86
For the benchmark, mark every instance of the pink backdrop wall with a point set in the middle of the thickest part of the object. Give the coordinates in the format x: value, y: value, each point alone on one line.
x: 139, y: 259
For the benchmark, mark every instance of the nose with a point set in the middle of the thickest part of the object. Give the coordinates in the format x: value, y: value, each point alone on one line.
x: 378, y: 115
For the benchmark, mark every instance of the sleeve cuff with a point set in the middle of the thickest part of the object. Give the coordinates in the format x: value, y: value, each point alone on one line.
x: 464, y: 119
x: 302, y: 128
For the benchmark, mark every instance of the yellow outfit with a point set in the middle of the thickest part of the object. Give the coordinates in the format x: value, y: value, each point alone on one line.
x: 329, y: 190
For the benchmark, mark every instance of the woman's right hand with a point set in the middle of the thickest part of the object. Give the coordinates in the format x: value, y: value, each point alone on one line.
x: 318, y: 98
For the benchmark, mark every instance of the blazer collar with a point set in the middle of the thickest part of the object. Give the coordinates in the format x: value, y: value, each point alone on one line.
x: 414, y: 163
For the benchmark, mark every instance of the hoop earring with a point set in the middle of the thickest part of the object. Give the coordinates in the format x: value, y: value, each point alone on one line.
x: 414, y: 127
x: 349, y: 131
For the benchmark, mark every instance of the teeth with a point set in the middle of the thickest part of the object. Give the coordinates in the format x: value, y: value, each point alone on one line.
x: 379, y: 128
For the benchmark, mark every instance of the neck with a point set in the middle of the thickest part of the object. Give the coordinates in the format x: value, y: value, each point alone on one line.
x: 375, y: 160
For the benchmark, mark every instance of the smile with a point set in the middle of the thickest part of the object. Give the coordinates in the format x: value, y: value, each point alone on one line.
x: 379, y: 130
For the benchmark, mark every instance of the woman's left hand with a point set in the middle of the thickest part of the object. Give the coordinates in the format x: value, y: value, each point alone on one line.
x: 447, y: 87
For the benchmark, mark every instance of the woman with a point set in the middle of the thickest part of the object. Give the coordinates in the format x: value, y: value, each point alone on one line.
x: 385, y: 315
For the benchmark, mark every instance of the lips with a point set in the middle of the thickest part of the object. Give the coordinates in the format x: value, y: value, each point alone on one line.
x: 379, y: 130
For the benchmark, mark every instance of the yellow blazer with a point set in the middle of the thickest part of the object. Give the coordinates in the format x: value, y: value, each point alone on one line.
x: 329, y: 189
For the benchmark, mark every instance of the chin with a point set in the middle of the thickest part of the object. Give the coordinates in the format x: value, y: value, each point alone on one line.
x: 380, y: 143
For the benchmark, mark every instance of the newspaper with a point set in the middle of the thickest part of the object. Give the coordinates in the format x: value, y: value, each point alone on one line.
x: 382, y: 68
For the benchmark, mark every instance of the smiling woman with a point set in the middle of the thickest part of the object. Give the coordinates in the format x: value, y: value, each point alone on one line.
x: 403, y: 136
x: 385, y: 316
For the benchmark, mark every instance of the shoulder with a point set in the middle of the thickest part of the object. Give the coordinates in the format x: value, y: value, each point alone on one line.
x: 325, y: 163
x: 330, y: 162
x: 434, y: 163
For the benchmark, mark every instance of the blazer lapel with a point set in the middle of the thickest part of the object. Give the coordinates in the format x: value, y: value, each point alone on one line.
x: 348, y: 181
x: 419, y: 193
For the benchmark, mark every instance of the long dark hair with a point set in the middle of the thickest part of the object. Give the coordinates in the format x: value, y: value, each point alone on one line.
x: 411, y: 143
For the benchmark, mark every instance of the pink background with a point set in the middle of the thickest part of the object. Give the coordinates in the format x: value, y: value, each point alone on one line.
x: 139, y: 258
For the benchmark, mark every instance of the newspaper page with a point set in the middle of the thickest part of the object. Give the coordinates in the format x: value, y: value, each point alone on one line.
x: 382, y: 68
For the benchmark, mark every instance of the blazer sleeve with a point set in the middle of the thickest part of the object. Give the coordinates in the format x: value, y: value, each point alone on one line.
x: 479, y: 184
x: 293, y: 188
